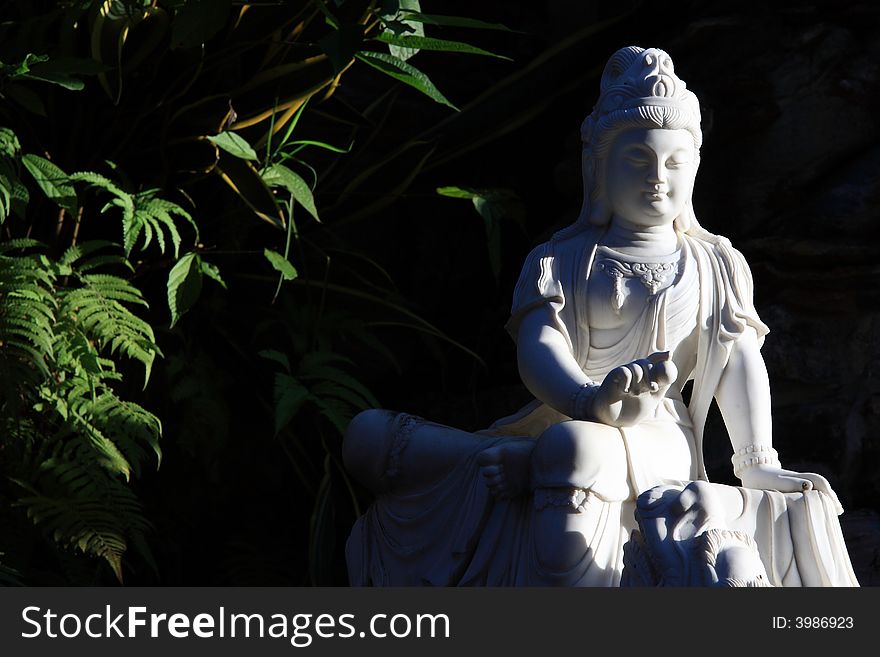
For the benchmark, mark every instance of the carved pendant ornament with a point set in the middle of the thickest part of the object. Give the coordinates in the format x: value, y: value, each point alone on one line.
x: 653, y: 275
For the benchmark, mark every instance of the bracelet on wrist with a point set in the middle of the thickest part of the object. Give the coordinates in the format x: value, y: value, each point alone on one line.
x: 581, y: 401
x: 752, y: 455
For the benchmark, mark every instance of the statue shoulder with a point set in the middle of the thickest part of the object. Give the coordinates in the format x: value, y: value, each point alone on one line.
x: 721, y: 249
x: 563, y: 247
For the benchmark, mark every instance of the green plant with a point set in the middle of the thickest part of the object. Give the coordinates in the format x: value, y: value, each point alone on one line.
x: 226, y: 109
x: 65, y: 323
x: 76, y: 442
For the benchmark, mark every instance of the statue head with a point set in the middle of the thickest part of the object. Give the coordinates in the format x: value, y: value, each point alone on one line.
x: 641, y: 101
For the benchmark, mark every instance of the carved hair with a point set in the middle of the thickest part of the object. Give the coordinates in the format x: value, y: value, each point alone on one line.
x: 713, y: 542
x: 639, y: 89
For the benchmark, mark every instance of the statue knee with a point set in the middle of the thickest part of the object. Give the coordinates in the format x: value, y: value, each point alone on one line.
x: 553, y: 457
x: 581, y: 455
x: 366, y: 444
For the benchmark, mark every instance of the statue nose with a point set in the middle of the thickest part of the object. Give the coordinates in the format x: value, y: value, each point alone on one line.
x: 657, y: 176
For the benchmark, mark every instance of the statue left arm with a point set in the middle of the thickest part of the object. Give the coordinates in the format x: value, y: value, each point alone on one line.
x: 743, y: 395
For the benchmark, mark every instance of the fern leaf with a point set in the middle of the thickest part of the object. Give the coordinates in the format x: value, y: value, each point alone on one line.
x: 97, y: 309
x: 28, y: 329
x: 162, y: 218
x: 57, y: 358
x: 108, y: 454
x: 27, y: 311
x: 83, y: 508
x: 78, y: 251
x: 102, y: 182
x: 20, y: 243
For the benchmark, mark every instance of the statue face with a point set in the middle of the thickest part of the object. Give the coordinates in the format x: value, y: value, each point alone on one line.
x: 650, y: 175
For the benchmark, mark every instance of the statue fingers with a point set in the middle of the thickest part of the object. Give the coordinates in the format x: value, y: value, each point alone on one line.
x: 788, y: 483
x: 621, y: 379
x: 640, y: 382
x: 659, y: 357
x: 820, y: 483
x: 663, y: 374
x: 816, y: 481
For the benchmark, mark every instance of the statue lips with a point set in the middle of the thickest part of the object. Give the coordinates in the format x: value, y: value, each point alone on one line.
x: 655, y: 200
x: 657, y: 193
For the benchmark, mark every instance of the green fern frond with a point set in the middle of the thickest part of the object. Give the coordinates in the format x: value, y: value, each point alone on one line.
x: 21, y: 243
x: 105, y: 452
x: 152, y: 216
x: 78, y: 251
x: 336, y: 394
x: 143, y: 213
x: 97, y: 310
x: 64, y: 324
x: 84, y: 508
x: 27, y: 312
x: 119, y: 430
x: 121, y: 198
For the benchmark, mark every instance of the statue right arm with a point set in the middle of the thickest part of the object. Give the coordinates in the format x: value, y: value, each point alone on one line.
x: 629, y: 394
x: 546, y: 364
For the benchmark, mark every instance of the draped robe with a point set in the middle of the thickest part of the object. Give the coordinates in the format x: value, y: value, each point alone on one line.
x: 453, y: 532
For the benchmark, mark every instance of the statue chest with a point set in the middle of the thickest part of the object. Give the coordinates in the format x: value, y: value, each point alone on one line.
x: 636, y: 307
x: 621, y: 287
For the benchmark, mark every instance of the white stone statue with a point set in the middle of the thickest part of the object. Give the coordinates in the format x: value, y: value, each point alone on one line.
x: 611, y: 318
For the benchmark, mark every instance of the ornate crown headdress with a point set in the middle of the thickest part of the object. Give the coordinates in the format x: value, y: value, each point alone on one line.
x: 639, y: 88
x: 642, y: 81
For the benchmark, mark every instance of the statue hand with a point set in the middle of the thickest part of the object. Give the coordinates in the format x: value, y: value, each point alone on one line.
x: 770, y: 477
x: 630, y: 393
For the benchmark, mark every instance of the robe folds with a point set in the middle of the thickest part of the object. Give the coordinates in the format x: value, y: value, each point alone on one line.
x: 448, y: 530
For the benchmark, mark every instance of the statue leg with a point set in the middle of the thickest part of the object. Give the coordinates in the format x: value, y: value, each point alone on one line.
x: 386, y: 451
x: 582, y: 505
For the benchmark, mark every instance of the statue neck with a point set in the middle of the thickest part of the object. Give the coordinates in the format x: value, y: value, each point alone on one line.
x: 633, y: 239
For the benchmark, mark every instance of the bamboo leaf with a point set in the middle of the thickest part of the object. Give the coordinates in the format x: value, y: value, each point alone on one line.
x: 441, y: 45
x: 302, y: 143
x: 453, y: 21
x: 234, y: 144
x: 457, y: 192
x: 246, y: 181
x: 279, y: 175
x: 281, y: 264
x: 400, y: 70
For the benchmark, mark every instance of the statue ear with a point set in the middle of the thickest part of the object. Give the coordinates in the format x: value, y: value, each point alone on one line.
x: 600, y: 213
x: 685, y: 221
